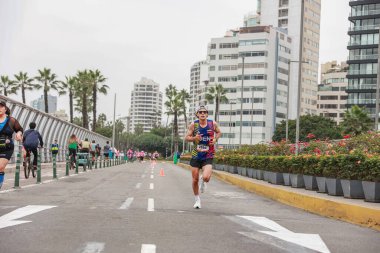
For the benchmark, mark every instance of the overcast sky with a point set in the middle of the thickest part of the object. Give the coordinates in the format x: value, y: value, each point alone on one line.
x: 129, y: 39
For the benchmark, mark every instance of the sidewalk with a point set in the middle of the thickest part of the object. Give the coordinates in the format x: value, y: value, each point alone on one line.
x: 355, y: 211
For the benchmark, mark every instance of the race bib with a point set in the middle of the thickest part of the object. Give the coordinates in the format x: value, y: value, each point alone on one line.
x: 202, y: 148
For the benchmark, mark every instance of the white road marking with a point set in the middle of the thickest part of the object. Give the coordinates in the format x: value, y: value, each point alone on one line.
x: 151, y: 176
x: 126, y: 204
x: 148, y: 248
x: 152, y: 172
x: 143, y: 175
x: 9, y: 190
x: 151, y: 186
x: 94, y: 247
x: 150, y: 205
x: 310, y: 241
x: 8, y: 220
x: 138, y: 185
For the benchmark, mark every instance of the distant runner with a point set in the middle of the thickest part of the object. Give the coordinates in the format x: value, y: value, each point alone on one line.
x: 202, y: 133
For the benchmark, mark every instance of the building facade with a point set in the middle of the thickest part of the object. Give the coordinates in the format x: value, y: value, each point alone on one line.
x: 198, y: 81
x: 262, y: 53
x: 288, y: 15
x: 146, y: 105
x: 332, y: 96
x: 363, y: 54
x: 39, y: 103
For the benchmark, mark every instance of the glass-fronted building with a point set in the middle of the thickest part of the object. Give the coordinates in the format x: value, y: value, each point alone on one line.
x: 363, y: 53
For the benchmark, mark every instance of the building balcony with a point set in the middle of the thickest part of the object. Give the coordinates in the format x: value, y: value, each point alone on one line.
x: 361, y: 87
x: 360, y: 101
x: 362, y: 57
x: 363, y: 28
x: 362, y: 72
x: 365, y: 13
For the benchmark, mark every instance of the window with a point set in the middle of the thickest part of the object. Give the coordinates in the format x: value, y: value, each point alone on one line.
x: 254, y: 53
x: 228, y: 45
x: 253, y: 42
x: 283, y: 13
x: 228, y: 56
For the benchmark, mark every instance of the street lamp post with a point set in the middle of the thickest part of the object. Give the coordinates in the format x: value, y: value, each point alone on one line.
x: 241, y: 100
x: 114, y: 118
x: 287, y: 100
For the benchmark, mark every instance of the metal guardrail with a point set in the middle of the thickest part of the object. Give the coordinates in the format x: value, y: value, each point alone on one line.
x: 50, y: 127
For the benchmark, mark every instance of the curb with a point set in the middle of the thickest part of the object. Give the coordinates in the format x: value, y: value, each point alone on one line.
x: 356, y: 214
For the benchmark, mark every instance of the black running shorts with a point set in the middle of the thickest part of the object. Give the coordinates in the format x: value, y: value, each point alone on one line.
x: 200, y: 163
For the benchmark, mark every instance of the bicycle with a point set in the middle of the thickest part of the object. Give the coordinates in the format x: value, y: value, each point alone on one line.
x: 28, y: 164
x: 72, y: 162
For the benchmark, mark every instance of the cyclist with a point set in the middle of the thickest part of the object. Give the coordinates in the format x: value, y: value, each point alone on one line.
x: 54, y: 148
x: 8, y: 126
x: 73, y: 147
x: 86, y: 146
x: 31, y: 140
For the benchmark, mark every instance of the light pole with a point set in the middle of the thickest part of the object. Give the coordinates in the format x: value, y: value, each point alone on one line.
x: 241, y: 100
x: 287, y: 100
x: 253, y: 98
x: 114, y: 118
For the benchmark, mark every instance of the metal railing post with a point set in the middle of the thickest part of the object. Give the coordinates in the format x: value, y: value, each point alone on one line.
x: 17, y: 174
x: 38, y: 168
x: 54, y: 167
x: 67, y: 165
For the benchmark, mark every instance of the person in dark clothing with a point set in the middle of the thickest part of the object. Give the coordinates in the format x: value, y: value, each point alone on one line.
x: 32, y: 139
x: 8, y: 126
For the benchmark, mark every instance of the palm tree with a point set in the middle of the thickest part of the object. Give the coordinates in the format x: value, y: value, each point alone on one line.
x: 49, y: 81
x: 83, y: 88
x: 24, y: 83
x: 356, y: 121
x: 217, y: 94
x: 7, y: 86
x: 97, y: 86
x: 185, y: 98
x: 69, y: 85
x: 173, y: 106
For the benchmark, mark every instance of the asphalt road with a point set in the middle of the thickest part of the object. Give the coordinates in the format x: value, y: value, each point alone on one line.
x: 131, y: 208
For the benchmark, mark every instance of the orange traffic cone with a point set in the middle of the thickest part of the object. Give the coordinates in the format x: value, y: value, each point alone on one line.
x: 162, y: 174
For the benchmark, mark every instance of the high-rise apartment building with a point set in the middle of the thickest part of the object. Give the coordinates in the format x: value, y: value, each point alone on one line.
x: 363, y: 53
x: 39, y: 103
x: 262, y: 53
x: 146, y: 105
x: 198, y: 80
x: 332, y: 96
x: 301, y: 20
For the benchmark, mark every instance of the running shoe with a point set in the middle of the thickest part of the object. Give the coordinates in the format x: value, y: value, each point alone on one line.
x: 197, y: 204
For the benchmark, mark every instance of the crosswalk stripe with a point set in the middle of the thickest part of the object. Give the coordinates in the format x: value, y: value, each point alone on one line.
x: 151, y: 186
x: 94, y: 247
x: 138, y: 185
x: 148, y: 248
x: 150, y: 205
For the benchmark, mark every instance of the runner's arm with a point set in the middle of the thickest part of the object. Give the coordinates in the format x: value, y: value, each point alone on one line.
x: 218, y: 133
x: 189, y: 134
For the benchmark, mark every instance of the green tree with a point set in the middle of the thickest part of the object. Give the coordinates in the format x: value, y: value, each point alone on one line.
x: 83, y: 90
x: 173, y: 106
x: 319, y: 126
x: 24, y: 83
x: 97, y: 80
x: 161, y: 131
x: 69, y: 86
x: 49, y: 82
x: 7, y: 86
x: 138, y: 129
x: 217, y: 94
x: 356, y: 121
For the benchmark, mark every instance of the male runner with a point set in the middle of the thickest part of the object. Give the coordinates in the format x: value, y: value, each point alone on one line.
x: 202, y: 133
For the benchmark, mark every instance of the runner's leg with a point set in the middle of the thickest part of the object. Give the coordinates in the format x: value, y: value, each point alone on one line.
x: 3, y: 163
x: 207, y: 171
x: 195, y: 174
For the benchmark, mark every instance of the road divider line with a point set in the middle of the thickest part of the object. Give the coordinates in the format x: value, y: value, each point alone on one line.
x: 150, y: 205
x: 151, y: 176
x: 138, y: 185
x: 151, y: 186
x: 148, y: 248
x: 126, y: 204
x: 94, y: 247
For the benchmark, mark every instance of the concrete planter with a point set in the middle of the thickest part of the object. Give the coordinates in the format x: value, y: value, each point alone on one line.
x: 321, y: 183
x: 233, y: 170
x: 259, y: 174
x: 352, y: 189
x: 286, y: 178
x: 226, y: 168
x: 334, y: 187
x: 250, y: 172
x: 244, y: 171
x: 218, y: 166
x: 266, y: 175
x: 310, y: 182
x: 296, y: 181
x: 239, y: 169
x: 371, y: 191
x: 276, y: 178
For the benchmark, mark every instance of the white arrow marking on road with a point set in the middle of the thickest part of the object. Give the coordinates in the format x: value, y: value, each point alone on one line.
x: 94, y: 247
x: 126, y: 204
x: 310, y: 241
x: 9, y: 219
x: 151, y: 186
x: 148, y: 248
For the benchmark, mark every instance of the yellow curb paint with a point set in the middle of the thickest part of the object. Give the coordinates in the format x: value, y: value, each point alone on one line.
x: 360, y: 215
